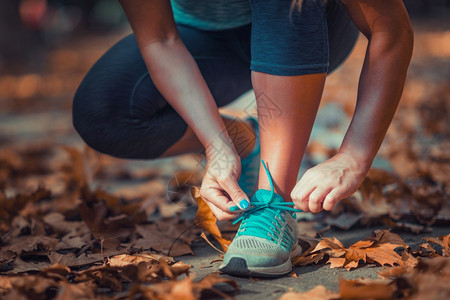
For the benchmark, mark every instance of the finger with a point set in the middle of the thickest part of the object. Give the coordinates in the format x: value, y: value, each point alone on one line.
x: 304, y: 181
x: 219, y: 213
x: 216, y: 197
x: 316, y: 198
x: 303, y: 186
x: 301, y: 198
x: 237, y: 195
x: 331, y: 199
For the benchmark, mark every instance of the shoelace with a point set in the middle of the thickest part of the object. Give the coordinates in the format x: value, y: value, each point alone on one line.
x: 261, y: 224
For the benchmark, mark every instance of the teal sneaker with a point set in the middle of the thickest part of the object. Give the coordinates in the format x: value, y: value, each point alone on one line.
x: 266, y: 239
x: 250, y: 164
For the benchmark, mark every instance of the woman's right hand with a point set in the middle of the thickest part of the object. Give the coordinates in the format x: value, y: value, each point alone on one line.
x: 220, y: 188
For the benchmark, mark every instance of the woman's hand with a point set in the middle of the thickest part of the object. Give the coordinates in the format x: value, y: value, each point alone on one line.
x: 220, y: 188
x: 322, y: 186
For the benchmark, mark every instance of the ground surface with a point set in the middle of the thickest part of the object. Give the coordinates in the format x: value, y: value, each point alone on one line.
x: 308, y: 277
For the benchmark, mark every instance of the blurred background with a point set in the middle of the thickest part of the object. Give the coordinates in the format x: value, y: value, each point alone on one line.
x: 62, y: 202
x: 46, y: 47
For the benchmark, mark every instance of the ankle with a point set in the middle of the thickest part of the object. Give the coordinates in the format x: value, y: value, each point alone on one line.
x: 266, y: 186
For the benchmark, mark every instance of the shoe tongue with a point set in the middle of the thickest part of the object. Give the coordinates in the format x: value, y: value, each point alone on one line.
x: 265, y: 196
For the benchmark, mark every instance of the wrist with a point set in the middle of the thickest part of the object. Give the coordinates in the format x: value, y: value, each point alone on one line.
x: 357, y: 159
x: 220, y: 146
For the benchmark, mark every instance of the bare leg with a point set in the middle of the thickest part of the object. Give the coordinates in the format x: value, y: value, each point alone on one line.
x: 240, y: 131
x: 287, y: 107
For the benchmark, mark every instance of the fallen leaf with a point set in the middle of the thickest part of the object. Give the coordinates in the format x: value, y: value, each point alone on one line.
x: 319, y: 292
x: 409, y: 262
x: 126, y: 259
x: 426, y: 250
x: 114, y: 229
x: 185, y: 289
x: 83, y: 290
x: 366, y: 289
x: 305, y: 258
x: 26, y: 244
x: 58, y: 223
x: 205, y: 219
x: 9, y: 207
x: 443, y: 240
x: 208, y: 283
x: 377, y: 248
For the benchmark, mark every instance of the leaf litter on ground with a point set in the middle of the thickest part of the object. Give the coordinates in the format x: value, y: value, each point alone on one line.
x: 46, y: 240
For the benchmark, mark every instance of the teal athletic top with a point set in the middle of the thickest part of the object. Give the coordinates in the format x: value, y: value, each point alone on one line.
x: 212, y: 14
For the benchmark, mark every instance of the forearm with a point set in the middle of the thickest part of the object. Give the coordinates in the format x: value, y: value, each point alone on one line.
x: 174, y: 71
x: 176, y: 75
x: 380, y: 88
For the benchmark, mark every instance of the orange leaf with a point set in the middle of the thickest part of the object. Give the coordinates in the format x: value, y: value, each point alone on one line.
x: 205, y: 219
x: 328, y: 243
x: 443, y: 240
x: 367, y: 289
x: 377, y: 248
x: 319, y: 292
x: 409, y: 263
x: 307, y: 259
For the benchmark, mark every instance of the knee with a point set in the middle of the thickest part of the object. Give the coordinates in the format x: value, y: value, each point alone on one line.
x: 108, y: 130
x: 84, y: 118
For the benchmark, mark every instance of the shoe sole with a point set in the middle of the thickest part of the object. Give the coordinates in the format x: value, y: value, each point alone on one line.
x: 237, y: 266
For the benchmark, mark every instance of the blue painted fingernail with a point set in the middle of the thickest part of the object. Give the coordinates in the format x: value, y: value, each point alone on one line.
x: 244, y: 204
x: 234, y: 208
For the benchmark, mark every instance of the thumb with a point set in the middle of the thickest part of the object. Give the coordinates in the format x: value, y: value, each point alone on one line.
x: 237, y: 195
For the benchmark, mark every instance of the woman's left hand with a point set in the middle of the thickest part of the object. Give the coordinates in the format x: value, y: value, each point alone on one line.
x: 322, y: 186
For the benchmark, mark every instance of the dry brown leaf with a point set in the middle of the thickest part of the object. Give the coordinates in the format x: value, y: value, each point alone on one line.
x: 27, y: 244
x: 83, y: 290
x: 32, y: 286
x: 409, y: 262
x: 170, y: 290
x: 71, y: 260
x: 205, y: 219
x: 21, y: 266
x: 58, y: 223
x: 319, y: 292
x: 126, y: 259
x: 73, y: 241
x: 76, y: 169
x: 377, y: 248
x: 308, y: 244
x: 426, y: 250
x: 10, y: 207
x: 443, y: 240
x: 185, y: 289
x: 428, y: 280
x: 303, y: 261
x: 366, y: 289
x: 203, y: 235
x: 114, y: 229
x: 385, y: 198
x: 208, y: 282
